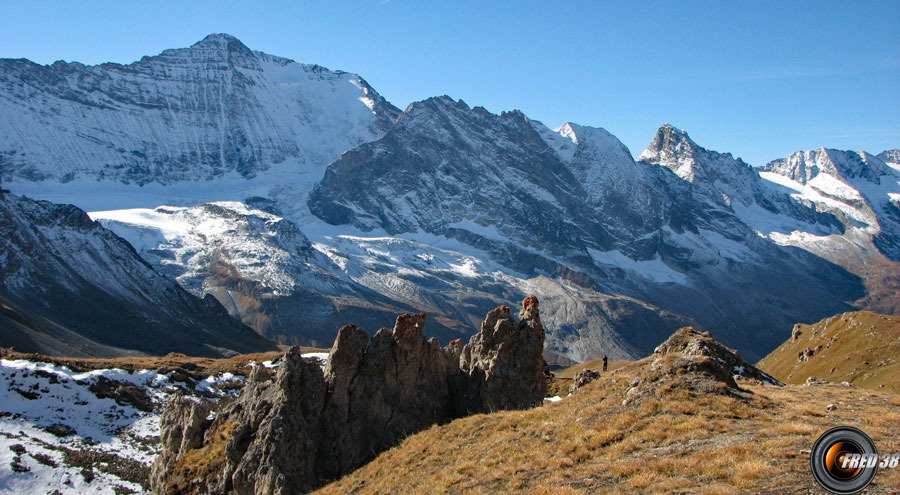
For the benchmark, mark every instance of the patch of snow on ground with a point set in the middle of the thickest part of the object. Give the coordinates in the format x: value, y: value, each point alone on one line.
x: 50, y: 418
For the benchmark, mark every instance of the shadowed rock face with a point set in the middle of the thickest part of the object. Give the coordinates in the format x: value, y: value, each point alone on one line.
x: 292, y: 433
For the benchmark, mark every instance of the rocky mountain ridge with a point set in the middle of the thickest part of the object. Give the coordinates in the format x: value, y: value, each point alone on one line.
x: 211, y: 110
x: 70, y: 287
x: 538, y: 205
x: 445, y: 208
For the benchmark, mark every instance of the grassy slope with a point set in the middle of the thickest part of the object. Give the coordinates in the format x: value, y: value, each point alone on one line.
x: 596, y: 364
x: 673, y: 441
x: 862, y: 348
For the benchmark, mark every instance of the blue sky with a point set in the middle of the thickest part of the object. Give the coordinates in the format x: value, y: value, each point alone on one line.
x: 757, y: 79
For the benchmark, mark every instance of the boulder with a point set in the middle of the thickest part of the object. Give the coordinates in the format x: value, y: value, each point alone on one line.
x: 582, y: 378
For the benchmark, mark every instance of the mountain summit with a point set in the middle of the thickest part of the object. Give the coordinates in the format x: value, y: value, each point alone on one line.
x: 209, y: 111
x: 288, y: 191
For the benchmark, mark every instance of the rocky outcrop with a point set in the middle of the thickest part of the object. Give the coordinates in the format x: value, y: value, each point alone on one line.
x: 696, y: 346
x: 502, y: 365
x: 292, y: 432
x: 379, y: 393
x: 182, y: 424
x: 693, y: 363
x: 582, y: 378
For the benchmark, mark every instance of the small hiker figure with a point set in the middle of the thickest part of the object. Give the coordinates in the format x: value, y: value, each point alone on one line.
x: 604, y: 364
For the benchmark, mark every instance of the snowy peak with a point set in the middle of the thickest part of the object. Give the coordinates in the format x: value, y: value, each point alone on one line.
x: 891, y: 158
x: 600, y: 161
x: 216, y: 52
x: 673, y: 149
x: 221, y: 41
x: 596, y: 142
x: 439, y: 158
x: 592, y: 144
x: 562, y: 140
x: 858, y: 188
x: 211, y: 110
x: 804, y: 166
x: 719, y: 178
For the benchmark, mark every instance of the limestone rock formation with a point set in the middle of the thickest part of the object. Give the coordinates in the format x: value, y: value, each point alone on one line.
x: 502, y: 364
x: 379, y: 394
x: 292, y: 432
x: 182, y: 424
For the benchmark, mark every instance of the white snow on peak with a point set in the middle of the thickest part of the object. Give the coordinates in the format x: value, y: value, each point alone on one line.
x: 181, y: 117
x: 805, y: 166
x: 673, y: 149
x: 562, y: 140
x: 567, y: 131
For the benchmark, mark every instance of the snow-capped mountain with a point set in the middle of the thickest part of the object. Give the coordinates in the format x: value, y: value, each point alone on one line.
x: 891, y: 158
x: 213, y: 110
x: 322, y: 204
x: 858, y: 188
x: 71, y: 287
x: 573, y: 203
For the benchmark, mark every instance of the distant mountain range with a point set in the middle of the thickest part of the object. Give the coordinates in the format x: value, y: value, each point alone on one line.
x: 302, y: 200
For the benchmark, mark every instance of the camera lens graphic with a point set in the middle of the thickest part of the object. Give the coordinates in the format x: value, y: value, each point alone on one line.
x: 835, y: 457
x: 829, y: 453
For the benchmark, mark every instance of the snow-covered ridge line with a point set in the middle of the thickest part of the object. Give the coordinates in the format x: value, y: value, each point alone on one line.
x: 213, y: 109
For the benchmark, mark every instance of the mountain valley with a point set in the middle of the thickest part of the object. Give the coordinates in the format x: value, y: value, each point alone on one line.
x: 301, y: 200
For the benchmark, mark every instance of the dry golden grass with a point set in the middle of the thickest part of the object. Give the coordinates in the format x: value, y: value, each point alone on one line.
x: 862, y: 348
x: 596, y: 364
x: 198, y: 463
x: 591, y: 443
x: 195, y: 367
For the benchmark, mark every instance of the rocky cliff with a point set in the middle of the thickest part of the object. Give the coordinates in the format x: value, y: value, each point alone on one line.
x: 290, y: 432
